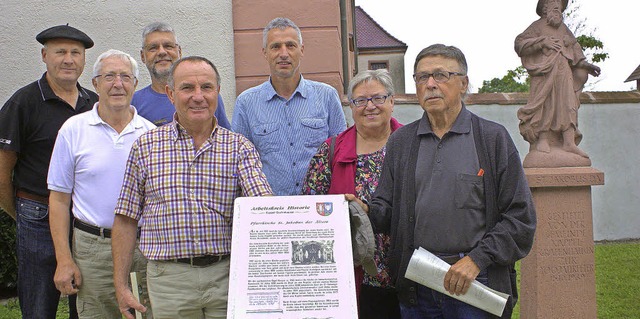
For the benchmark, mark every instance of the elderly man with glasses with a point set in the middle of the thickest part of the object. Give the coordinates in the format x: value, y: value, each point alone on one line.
x: 159, y: 50
x: 453, y: 184
x: 87, y: 168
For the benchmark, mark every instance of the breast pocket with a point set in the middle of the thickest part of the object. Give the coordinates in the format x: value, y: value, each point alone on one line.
x: 316, y: 130
x: 469, y: 192
x: 266, y: 137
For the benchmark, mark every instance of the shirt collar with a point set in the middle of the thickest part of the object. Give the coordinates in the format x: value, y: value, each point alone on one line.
x: 95, y: 119
x: 302, y: 89
x: 462, y: 124
x: 46, y: 92
x: 180, y: 133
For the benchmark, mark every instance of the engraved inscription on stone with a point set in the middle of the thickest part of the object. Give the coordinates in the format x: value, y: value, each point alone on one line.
x: 569, y: 179
x: 538, y: 177
x: 565, y: 247
x: 577, y: 179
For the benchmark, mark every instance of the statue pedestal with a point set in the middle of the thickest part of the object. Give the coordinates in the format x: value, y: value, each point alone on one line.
x: 558, y: 275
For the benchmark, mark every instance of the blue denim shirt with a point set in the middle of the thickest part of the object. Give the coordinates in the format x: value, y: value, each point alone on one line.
x: 287, y: 133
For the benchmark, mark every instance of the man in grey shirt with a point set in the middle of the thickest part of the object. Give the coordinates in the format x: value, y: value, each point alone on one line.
x: 452, y: 183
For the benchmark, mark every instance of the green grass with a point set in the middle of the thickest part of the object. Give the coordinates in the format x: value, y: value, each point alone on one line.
x: 12, y: 309
x: 617, y: 284
x: 516, y: 309
x: 618, y: 280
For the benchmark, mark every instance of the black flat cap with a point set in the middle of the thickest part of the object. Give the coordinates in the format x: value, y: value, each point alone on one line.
x: 64, y: 32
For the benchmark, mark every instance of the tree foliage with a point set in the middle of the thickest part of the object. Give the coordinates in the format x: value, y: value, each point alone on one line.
x: 586, y: 36
x: 517, y: 80
x: 593, y: 48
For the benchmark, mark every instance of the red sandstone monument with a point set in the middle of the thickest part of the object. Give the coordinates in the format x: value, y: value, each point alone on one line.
x: 558, y: 276
x: 558, y: 70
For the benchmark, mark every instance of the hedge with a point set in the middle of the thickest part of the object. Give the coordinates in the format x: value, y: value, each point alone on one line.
x: 8, y: 259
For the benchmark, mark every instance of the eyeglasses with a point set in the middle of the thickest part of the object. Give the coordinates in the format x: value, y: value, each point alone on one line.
x: 111, y: 77
x: 167, y: 46
x: 439, y: 77
x: 376, y: 100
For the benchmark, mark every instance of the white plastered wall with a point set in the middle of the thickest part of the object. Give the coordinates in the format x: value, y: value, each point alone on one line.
x: 610, y: 137
x: 204, y: 28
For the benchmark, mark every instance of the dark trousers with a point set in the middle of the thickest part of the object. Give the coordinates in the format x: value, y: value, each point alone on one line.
x: 36, y: 263
x: 435, y: 305
x: 378, y: 303
x: 37, y: 293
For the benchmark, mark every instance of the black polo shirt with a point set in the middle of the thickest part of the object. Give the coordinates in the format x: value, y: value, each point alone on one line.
x: 29, y: 124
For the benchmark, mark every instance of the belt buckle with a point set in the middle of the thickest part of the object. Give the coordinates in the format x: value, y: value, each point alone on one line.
x: 193, y: 262
x: 205, y: 261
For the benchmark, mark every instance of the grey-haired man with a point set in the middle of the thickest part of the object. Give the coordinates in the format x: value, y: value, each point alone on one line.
x: 160, y: 49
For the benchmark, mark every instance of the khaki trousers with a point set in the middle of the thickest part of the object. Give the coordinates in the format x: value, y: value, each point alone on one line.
x: 97, y: 295
x: 182, y: 291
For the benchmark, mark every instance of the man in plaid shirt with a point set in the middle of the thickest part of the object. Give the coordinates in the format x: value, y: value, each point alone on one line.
x: 181, y: 180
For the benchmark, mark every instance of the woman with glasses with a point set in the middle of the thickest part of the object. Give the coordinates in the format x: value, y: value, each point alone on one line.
x: 350, y: 164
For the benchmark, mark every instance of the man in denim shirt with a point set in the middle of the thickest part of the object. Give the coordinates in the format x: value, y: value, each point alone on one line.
x: 287, y: 117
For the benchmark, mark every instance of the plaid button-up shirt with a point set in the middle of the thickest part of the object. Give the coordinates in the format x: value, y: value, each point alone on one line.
x: 185, y: 196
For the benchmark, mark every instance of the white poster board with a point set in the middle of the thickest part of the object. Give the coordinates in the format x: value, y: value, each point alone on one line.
x: 291, y: 258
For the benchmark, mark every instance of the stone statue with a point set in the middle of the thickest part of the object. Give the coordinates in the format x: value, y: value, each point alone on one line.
x: 558, y: 71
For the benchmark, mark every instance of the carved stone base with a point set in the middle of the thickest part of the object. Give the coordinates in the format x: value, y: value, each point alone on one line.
x: 556, y: 158
x: 558, y: 276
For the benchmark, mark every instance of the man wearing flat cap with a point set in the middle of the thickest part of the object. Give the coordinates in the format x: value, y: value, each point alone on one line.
x: 29, y: 124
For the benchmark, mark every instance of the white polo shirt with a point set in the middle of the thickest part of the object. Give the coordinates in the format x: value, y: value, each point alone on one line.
x: 88, y: 162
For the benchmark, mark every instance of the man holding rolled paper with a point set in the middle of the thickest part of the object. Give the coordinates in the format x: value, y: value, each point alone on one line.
x: 453, y: 184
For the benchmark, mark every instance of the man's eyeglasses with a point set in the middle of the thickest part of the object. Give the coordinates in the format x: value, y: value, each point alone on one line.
x: 110, y: 77
x: 439, y: 77
x: 376, y: 100
x: 167, y: 47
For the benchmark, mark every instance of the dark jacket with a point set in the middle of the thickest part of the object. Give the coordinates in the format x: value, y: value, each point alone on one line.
x: 510, y: 214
